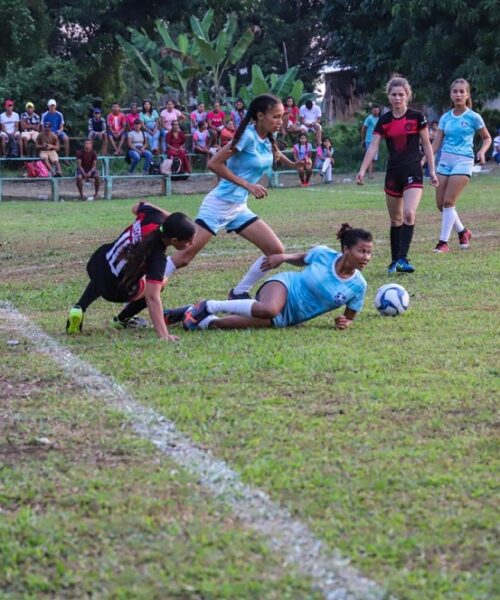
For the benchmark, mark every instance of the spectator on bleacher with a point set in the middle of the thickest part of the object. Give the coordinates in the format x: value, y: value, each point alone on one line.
x: 150, y: 125
x: 138, y: 148
x: 239, y: 112
x: 367, y: 135
x: 325, y: 159
x: 197, y: 116
x: 168, y: 115
x: 9, y: 129
x: 176, y: 146
x: 310, y: 119
x: 227, y: 133
x: 202, y: 142
x: 132, y: 116
x: 56, y: 120
x: 86, y: 167
x: 215, y: 120
x: 302, y: 151
x: 47, y: 143
x: 290, y: 117
x: 30, y: 127
x: 116, y: 123
x: 97, y: 129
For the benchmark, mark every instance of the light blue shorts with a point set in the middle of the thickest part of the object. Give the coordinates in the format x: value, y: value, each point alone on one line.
x: 454, y: 164
x: 215, y: 214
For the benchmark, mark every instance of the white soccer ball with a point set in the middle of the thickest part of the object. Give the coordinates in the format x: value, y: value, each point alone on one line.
x: 391, y: 300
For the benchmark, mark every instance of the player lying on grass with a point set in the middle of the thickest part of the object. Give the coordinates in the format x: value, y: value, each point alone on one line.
x: 330, y: 280
x: 131, y: 269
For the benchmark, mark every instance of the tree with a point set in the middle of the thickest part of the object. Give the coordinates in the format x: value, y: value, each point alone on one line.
x: 430, y: 43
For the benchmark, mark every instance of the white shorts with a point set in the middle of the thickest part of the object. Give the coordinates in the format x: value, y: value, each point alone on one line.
x: 454, y: 164
x: 215, y: 214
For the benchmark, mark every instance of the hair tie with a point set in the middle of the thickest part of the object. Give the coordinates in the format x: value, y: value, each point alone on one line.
x: 161, y: 228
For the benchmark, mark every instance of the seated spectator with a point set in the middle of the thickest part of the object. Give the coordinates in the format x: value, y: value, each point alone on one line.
x: 56, y: 120
x: 9, y: 130
x: 290, y: 117
x: 202, y: 142
x: 97, y: 129
x: 303, y: 151
x: 238, y: 114
x: 325, y: 160
x: 310, y: 119
x: 86, y: 167
x: 168, y: 115
x: 197, y: 116
x: 176, y: 146
x: 47, y: 143
x: 116, y: 124
x: 496, y: 148
x: 138, y: 148
x: 150, y: 125
x: 227, y: 134
x: 30, y: 128
x: 215, y: 120
x: 132, y: 116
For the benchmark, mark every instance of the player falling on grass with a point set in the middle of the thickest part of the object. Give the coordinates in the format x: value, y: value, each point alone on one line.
x: 404, y: 130
x: 329, y: 280
x: 131, y: 269
x: 455, y: 137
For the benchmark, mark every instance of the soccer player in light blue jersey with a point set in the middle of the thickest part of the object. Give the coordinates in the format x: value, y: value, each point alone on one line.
x: 455, y: 136
x: 329, y: 280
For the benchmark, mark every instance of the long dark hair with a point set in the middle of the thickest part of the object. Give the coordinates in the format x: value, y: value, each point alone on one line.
x: 349, y: 236
x: 151, y: 107
x: 176, y: 225
x: 262, y: 104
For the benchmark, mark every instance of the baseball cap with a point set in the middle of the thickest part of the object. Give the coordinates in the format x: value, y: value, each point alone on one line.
x: 9, y: 103
x: 52, y: 102
x: 96, y: 110
x: 29, y: 105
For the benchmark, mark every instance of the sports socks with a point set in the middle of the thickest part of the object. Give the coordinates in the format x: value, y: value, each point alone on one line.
x: 395, y: 242
x: 90, y: 295
x: 131, y: 309
x: 170, y: 267
x: 458, y: 226
x: 204, y: 324
x: 251, y: 277
x: 405, y: 240
x: 235, y: 307
x: 448, y: 220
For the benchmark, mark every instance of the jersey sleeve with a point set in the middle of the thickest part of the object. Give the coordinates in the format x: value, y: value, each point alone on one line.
x: 155, y: 267
x: 442, y: 122
x: 378, y: 127
x: 478, y: 122
x: 356, y: 303
x: 422, y: 121
x: 245, y: 140
x: 318, y: 253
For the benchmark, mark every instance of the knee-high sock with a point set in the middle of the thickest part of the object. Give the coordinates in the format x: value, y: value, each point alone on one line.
x: 235, y: 307
x: 406, y: 237
x: 132, y: 309
x: 251, y: 277
x: 90, y: 295
x: 458, y: 226
x: 449, y: 217
x: 395, y: 242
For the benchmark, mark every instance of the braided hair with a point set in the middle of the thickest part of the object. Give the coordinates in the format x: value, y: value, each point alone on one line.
x: 349, y: 237
x: 262, y: 104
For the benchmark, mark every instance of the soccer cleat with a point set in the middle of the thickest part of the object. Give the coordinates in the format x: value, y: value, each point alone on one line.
x: 243, y: 296
x: 442, y: 247
x: 464, y: 239
x: 404, y: 266
x: 175, y: 315
x: 75, y: 321
x: 392, y: 267
x: 195, y: 315
x: 133, y: 323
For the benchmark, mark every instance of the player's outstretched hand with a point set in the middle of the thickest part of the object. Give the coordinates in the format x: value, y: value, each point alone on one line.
x: 259, y: 191
x: 271, y: 262
x: 170, y: 338
x: 360, y: 179
x: 342, y: 322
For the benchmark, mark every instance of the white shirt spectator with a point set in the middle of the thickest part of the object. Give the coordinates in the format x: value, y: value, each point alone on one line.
x: 309, y: 116
x: 11, y: 124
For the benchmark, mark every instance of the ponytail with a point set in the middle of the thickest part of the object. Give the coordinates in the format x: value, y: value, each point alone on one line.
x: 349, y: 237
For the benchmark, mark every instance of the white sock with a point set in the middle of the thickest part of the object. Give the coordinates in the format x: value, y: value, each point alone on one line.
x: 458, y: 226
x: 170, y: 268
x: 234, y: 307
x: 449, y: 216
x: 206, y: 321
x: 251, y: 277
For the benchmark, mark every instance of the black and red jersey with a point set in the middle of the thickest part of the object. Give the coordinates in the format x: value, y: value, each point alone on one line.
x: 402, y: 136
x: 148, y: 220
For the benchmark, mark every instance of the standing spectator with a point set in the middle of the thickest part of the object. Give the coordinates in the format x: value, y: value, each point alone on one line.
x: 150, y: 125
x: 227, y: 134
x: 290, y: 117
x: 238, y: 114
x: 302, y: 153
x: 325, y: 159
x: 30, y: 128
x: 197, y: 116
x: 367, y: 134
x: 216, y: 119
x: 47, y: 143
x: 138, y: 148
x: 97, y: 129
x: 201, y: 142
x: 310, y: 119
x: 132, y: 116
x: 168, y: 115
x: 86, y: 167
x: 56, y: 120
x: 496, y: 148
x: 176, y: 146
x: 9, y: 124
x: 116, y: 124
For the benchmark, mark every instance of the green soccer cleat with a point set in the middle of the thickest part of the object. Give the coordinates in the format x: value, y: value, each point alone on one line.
x: 75, y: 321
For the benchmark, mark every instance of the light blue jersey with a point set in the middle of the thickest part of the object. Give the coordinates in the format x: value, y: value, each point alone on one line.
x: 318, y: 289
x: 369, y: 123
x: 253, y: 159
x: 459, y: 132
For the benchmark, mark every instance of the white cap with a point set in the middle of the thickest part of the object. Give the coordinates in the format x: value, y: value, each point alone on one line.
x: 51, y: 102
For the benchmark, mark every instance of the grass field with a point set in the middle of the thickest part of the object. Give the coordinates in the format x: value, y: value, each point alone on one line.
x: 383, y: 439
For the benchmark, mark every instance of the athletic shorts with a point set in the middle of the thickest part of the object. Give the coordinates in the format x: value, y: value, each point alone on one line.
x: 403, y: 178
x: 367, y: 144
x: 109, y: 286
x: 93, y: 174
x: 454, y: 164
x: 214, y: 215
x: 283, y: 318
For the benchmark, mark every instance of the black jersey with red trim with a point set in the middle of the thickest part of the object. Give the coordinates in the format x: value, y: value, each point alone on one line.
x: 148, y: 219
x: 402, y: 136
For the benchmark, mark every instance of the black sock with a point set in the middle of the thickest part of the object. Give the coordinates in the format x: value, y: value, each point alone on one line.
x: 406, y: 237
x: 132, y: 309
x: 90, y: 295
x: 395, y: 242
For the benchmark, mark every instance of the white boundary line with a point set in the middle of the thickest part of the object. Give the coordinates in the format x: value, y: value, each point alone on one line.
x: 285, y: 535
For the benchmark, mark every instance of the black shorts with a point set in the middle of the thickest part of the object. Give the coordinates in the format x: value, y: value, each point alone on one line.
x: 403, y: 178
x: 109, y: 286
